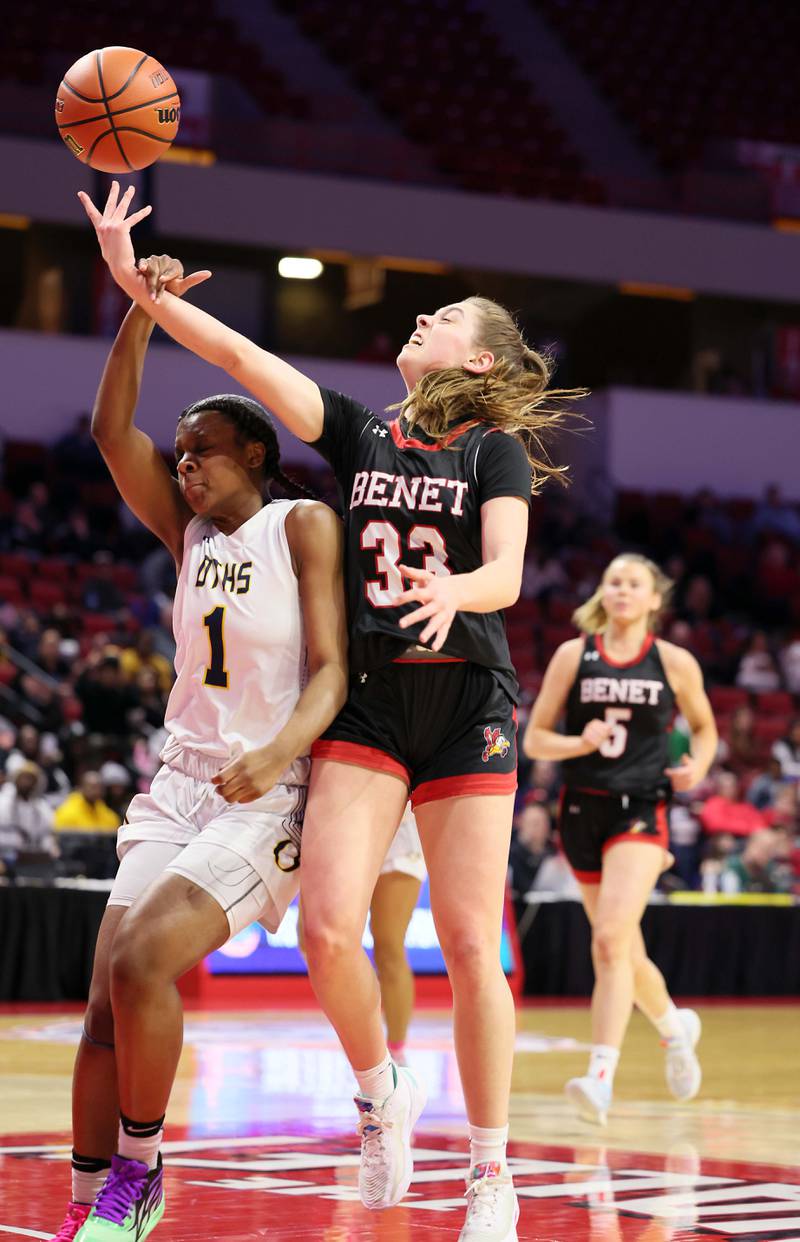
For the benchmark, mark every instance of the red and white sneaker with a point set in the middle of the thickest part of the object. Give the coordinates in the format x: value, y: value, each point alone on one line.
x: 74, y: 1219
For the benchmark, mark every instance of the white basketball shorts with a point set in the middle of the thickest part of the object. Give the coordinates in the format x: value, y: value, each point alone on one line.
x: 245, y: 855
x: 405, y: 852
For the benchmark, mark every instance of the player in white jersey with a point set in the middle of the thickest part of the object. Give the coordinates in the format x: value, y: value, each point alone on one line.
x: 261, y: 670
x: 394, y: 899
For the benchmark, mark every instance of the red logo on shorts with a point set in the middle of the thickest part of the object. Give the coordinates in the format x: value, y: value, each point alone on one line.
x: 496, y: 744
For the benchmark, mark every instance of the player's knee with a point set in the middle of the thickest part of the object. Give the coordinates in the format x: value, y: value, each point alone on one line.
x: 98, y: 1022
x: 328, y: 939
x: 469, y: 953
x: 389, y: 954
x: 611, y: 944
x: 134, y: 958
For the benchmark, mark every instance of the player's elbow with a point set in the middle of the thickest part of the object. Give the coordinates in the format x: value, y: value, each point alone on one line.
x: 530, y: 746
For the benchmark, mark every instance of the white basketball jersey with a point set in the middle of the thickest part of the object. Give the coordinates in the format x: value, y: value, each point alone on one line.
x: 241, y: 653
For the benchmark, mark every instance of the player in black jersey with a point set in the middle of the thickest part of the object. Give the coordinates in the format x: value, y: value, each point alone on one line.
x: 616, y: 689
x: 439, y: 500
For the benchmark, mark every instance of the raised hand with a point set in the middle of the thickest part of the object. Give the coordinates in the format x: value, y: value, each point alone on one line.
x: 161, y: 272
x: 113, y: 229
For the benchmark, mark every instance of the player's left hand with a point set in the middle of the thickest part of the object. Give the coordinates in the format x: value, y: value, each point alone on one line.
x: 250, y: 775
x: 113, y: 228
x: 438, y: 597
x: 685, y: 776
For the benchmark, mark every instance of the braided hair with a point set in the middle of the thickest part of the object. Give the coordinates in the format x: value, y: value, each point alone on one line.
x: 252, y: 422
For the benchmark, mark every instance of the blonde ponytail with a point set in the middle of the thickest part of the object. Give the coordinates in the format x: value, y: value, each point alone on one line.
x: 591, y: 616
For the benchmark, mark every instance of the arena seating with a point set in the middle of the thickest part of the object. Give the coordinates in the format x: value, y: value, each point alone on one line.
x: 687, y: 73
x: 437, y: 70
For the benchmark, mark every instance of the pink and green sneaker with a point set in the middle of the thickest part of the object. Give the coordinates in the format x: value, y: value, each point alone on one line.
x: 129, y: 1206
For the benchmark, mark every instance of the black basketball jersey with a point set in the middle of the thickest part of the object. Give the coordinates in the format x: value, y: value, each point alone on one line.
x: 638, y: 700
x: 407, y: 500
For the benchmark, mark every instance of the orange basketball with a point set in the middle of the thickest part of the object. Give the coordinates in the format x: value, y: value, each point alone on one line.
x: 117, y: 109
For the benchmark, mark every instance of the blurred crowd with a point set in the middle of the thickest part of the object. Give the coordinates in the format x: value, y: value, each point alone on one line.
x: 86, y: 650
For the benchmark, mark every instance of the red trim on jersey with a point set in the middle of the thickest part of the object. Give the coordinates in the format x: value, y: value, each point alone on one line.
x: 662, y: 828
x: 361, y: 757
x: 643, y: 650
x: 430, y: 660
x: 405, y: 442
x: 469, y: 786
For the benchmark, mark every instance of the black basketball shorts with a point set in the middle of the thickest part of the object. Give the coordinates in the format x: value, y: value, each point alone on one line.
x: 447, y: 729
x: 590, y: 823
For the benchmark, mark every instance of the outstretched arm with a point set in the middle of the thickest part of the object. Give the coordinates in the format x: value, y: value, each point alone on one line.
x: 136, y: 466
x: 293, y: 397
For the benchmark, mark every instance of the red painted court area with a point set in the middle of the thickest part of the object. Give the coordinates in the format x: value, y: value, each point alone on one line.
x: 292, y: 1186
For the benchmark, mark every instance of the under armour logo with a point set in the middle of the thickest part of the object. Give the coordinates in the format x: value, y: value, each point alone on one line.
x: 379, y: 431
x: 591, y: 655
x: 362, y: 677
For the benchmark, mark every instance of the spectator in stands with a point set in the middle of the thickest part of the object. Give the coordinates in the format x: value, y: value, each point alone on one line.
x: 151, y: 704
x: 26, y: 820
x: 143, y: 655
x: 759, y: 868
x: 774, y: 516
x: 739, y: 749
x: 782, y: 815
x: 789, y: 660
x: 787, y: 751
x: 84, y: 809
x: 42, y: 698
x: 117, y: 791
x: 100, y: 591
x: 698, y: 600
x: 530, y: 843
x: 105, y: 698
x: 757, y: 670
x: 73, y: 538
x: 77, y: 454
x: 726, y: 812
x: 706, y: 512
x: 25, y: 633
x: 715, y: 853
x: 33, y: 519
x: 27, y: 748
x: 763, y: 791
x: 49, y: 656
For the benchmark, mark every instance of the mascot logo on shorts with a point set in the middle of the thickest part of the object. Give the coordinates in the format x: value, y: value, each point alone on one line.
x: 496, y: 744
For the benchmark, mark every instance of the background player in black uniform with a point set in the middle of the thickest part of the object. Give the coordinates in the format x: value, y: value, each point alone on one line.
x: 439, y: 497
x: 617, y: 688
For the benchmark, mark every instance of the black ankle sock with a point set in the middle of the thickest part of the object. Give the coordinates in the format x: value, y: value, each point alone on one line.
x: 88, y: 1164
x: 141, y: 1129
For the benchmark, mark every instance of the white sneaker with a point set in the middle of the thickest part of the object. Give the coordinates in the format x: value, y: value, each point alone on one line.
x: 682, y: 1067
x: 386, y: 1165
x: 591, y: 1097
x: 492, y: 1208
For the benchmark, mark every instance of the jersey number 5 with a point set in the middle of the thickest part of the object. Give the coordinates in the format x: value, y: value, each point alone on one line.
x: 385, y: 539
x: 615, y: 745
x: 216, y: 674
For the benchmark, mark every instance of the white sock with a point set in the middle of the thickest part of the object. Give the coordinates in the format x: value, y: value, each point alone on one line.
x: 669, y: 1025
x: 487, y: 1145
x: 87, y: 1186
x: 603, y: 1063
x: 142, y: 1147
x: 379, y: 1082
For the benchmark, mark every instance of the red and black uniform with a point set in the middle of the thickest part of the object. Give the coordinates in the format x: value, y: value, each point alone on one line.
x: 445, y: 722
x: 619, y: 792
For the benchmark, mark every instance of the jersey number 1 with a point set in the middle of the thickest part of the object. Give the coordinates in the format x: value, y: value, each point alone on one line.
x: 216, y: 674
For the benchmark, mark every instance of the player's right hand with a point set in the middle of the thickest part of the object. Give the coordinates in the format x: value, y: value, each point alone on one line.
x: 595, y: 733
x: 162, y: 272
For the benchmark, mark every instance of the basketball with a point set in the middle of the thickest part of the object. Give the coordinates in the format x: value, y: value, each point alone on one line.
x: 117, y: 109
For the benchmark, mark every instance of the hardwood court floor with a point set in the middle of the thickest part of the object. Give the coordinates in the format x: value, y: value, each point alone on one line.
x: 261, y: 1138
